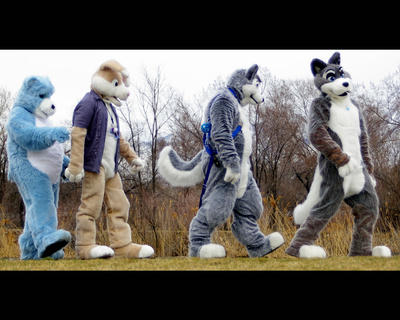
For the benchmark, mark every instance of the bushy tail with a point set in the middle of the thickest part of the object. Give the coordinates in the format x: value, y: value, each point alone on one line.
x: 302, y: 211
x: 178, y: 172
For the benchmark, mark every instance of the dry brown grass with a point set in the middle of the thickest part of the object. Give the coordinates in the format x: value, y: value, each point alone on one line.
x: 163, y: 223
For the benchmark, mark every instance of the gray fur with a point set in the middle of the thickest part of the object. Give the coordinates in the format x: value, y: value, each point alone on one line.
x: 241, y: 77
x: 330, y: 158
x: 221, y: 199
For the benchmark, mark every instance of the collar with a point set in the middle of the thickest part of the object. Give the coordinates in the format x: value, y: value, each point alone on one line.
x: 234, y: 93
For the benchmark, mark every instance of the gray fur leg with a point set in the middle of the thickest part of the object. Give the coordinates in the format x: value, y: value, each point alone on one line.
x: 365, y: 207
x: 306, y: 235
x: 246, y: 212
x: 217, y: 206
x: 331, y: 197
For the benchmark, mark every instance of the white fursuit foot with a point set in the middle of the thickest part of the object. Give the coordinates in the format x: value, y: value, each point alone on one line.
x: 311, y: 252
x: 275, y: 240
x: 212, y: 250
x: 146, y: 251
x: 381, y: 251
x: 101, y: 252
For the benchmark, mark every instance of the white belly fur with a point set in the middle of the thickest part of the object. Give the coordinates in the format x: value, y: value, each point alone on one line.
x: 245, y: 165
x: 346, y: 124
x: 110, y: 147
x: 50, y: 160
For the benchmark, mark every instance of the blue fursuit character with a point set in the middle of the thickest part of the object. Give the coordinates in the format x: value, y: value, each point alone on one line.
x: 36, y: 162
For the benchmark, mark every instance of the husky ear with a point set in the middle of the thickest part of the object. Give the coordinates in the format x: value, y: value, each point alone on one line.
x: 317, y: 65
x: 251, y: 72
x: 335, y: 59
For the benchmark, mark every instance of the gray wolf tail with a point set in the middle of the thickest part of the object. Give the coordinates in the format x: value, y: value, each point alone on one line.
x: 178, y: 172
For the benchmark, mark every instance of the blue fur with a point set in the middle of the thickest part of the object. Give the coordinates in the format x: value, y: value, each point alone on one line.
x: 40, y: 237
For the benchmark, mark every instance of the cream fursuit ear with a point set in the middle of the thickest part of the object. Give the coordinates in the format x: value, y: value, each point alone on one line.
x: 181, y: 173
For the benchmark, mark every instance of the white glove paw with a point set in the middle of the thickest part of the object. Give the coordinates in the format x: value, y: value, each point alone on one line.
x: 349, y: 167
x: 74, y: 178
x: 137, y: 165
x: 231, y: 176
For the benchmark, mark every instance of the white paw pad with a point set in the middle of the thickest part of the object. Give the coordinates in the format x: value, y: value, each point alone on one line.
x: 212, y: 250
x: 381, y: 251
x: 101, y: 252
x: 312, y: 252
x: 146, y: 251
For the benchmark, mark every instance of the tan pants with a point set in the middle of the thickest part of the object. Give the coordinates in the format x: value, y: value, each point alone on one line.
x: 95, y: 190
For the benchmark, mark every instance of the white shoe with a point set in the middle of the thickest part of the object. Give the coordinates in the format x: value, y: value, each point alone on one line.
x: 275, y: 240
x: 146, y: 251
x: 381, y: 251
x: 212, y: 250
x: 101, y: 252
x: 312, y: 252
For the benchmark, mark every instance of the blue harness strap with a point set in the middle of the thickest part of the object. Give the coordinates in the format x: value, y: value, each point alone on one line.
x: 206, y: 128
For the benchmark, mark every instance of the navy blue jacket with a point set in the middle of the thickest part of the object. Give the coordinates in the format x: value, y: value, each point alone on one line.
x: 91, y: 114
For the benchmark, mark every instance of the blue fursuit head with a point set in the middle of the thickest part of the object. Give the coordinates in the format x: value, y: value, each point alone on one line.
x: 36, y: 163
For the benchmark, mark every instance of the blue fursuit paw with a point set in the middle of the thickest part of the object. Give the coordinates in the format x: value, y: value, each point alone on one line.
x: 53, y: 242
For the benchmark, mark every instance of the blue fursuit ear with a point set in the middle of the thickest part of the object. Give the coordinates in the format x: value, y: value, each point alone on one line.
x: 34, y: 89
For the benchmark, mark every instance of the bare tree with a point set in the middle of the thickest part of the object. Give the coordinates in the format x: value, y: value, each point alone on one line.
x: 155, y: 99
x: 6, y: 101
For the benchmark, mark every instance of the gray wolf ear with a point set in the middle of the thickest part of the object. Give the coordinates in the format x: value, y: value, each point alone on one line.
x: 335, y: 59
x: 317, y: 65
x: 251, y: 72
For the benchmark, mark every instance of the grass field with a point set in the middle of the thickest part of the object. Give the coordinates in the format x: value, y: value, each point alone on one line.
x: 227, y: 264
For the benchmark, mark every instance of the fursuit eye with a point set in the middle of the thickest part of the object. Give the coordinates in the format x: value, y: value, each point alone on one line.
x: 41, y: 96
x: 115, y: 83
x: 332, y: 78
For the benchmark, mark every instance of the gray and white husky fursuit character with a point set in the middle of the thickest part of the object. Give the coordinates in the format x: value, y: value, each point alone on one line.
x: 230, y: 186
x: 344, y: 171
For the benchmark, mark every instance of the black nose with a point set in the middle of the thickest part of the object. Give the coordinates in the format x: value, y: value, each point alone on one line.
x: 53, y: 106
x: 345, y: 84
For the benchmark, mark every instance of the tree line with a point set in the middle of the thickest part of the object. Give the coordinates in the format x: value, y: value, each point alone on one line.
x: 282, y: 160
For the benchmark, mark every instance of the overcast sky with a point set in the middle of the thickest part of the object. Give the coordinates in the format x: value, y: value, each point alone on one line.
x: 187, y: 71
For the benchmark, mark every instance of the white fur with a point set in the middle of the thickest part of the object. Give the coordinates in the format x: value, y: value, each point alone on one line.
x: 251, y: 93
x: 45, y: 109
x: 146, y: 251
x: 108, y: 89
x: 381, y: 251
x: 100, y: 252
x: 302, y: 211
x: 137, y: 165
x: 175, y: 177
x: 212, y: 250
x: 231, y: 176
x: 50, y: 160
x: 336, y: 88
x: 74, y: 178
x: 312, y: 251
x: 125, y: 77
x: 110, y: 146
x: 275, y: 240
x: 247, y: 148
x: 345, y: 121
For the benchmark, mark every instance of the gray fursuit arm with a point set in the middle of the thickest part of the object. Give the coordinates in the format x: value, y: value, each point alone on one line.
x: 222, y: 116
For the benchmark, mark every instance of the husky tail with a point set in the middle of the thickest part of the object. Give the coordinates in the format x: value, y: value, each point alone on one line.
x: 302, y: 211
x: 177, y: 172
